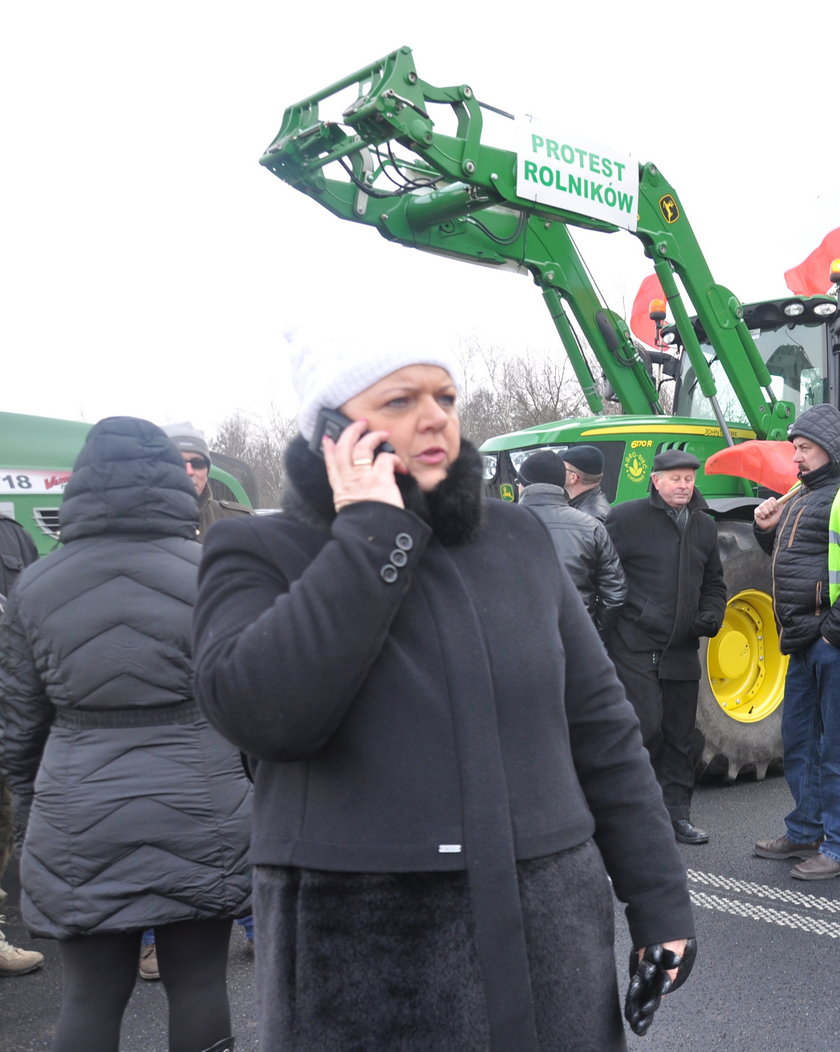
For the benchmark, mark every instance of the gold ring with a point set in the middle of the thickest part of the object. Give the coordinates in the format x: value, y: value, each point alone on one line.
x: 362, y: 463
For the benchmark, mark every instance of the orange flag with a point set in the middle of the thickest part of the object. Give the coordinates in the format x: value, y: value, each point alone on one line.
x: 640, y: 324
x: 768, y: 463
x: 811, y: 278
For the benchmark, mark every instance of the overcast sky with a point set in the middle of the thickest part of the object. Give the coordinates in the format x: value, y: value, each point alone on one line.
x: 150, y: 266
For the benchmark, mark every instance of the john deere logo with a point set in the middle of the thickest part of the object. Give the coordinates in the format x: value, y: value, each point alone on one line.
x: 669, y: 208
x: 506, y: 492
x: 635, y: 467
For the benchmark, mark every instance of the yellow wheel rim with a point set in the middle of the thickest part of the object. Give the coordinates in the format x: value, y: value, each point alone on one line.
x: 746, y: 669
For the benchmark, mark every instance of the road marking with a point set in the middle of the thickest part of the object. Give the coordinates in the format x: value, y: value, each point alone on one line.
x: 760, y: 912
x: 765, y: 891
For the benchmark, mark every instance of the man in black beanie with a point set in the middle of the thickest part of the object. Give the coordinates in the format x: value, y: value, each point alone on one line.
x: 584, y: 471
x: 582, y: 543
x: 668, y: 547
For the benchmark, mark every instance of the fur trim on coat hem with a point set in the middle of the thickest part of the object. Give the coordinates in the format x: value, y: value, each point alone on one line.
x: 361, y: 962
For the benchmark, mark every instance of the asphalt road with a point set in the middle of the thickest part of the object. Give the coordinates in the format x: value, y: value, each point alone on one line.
x: 765, y: 980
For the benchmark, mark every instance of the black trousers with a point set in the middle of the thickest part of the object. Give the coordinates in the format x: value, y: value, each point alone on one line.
x: 667, y: 709
x: 99, y: 973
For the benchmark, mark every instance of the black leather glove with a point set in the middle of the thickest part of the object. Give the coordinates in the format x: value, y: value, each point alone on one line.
x: 649, y: 982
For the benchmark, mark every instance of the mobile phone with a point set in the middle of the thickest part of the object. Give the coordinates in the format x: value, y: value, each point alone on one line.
x: 331, y: 423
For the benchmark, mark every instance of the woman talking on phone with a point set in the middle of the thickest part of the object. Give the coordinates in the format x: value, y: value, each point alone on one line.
x: 446, y: 768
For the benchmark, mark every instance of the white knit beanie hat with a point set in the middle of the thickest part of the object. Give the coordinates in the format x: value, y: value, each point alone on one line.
x: 326, y: 376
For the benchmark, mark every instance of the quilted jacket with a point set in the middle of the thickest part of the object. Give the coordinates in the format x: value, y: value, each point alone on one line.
x: 799, y: 543
x: 140, y: 812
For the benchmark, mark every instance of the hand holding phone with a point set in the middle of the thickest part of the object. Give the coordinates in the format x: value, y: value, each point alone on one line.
x: 331, y: 422
x: 350, y: 484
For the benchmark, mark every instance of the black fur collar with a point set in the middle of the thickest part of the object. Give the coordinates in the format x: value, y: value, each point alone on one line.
x: 454, y: 509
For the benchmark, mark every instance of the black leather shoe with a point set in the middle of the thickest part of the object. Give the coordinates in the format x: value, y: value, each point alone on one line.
x: 686, y: 833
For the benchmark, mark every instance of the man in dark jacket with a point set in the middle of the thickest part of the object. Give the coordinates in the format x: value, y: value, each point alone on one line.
x: 17, y: 550
x: 584, y: 471
x: 581, y: 541
x: 668, y: 547
x: 798, y: 536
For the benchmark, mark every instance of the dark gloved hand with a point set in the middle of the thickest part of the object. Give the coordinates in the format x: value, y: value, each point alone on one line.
x: 649, y: 982
x: 705, y: 625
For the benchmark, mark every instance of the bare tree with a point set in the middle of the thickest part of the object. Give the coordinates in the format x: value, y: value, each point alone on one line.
x: 506, y: 393
x: 260, y: 445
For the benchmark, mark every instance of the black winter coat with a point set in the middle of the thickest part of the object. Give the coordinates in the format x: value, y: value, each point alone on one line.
x: 584, y: 547
x: 141, y: 812
x: 401, y: 679
x: 421, y: 697
x: 799, y: 567
x: 676, y: 591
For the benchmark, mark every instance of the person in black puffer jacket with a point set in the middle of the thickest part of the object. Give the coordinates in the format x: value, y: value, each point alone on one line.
x: 797, y: 536
x: 582, y: 543
x: 140, y: 811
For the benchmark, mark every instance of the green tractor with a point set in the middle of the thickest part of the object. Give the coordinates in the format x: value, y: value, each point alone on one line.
x: 37, y: 454
x: 408, y: 159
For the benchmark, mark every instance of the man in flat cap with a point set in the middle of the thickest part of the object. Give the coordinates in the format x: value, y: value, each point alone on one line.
x: 584, y: 471
x: 668, y: 546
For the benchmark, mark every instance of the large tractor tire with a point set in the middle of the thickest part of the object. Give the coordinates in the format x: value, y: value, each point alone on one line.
x: 739, y: 706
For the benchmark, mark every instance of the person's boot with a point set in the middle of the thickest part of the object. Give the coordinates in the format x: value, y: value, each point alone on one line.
x: 148, y: 967
x: 222, y: 1046
x: 686, y: 833
x: 14, y: 961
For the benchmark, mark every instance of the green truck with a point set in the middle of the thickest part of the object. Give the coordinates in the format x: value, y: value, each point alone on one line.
x: 386, y: 149
x: 37, y: 454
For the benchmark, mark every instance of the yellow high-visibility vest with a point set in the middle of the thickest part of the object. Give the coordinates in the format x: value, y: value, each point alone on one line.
x: 834, y: 550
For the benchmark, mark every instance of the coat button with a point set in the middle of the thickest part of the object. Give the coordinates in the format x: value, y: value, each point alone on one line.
x: 388, y: 573
x: 404, y: 541
x: 398, y: 557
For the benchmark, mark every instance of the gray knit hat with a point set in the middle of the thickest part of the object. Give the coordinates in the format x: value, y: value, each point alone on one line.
x: 188, y: 439
x: 326, y: 376
x: 819, y: 424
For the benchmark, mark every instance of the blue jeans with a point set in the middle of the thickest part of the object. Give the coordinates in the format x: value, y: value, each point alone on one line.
x: 811, y: 737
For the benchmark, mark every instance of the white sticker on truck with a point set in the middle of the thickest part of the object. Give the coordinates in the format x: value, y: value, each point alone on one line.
x: 22, y: 481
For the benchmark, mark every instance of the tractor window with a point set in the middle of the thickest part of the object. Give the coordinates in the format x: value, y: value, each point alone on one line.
x: 795, y: 358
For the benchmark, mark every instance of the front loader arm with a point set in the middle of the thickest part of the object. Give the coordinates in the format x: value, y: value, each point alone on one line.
x: 670, y: 243
x: 387, y: 164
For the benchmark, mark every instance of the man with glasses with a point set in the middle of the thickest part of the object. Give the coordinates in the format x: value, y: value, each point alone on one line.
x: 192, y: 445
